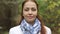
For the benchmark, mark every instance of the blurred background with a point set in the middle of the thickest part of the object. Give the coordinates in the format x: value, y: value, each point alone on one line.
x: 10, y: 14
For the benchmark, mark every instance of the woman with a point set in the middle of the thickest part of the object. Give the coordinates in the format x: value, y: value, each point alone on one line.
x: 31, y: 22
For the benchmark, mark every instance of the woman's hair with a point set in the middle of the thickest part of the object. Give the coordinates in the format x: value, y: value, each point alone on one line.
x: 43, y: 31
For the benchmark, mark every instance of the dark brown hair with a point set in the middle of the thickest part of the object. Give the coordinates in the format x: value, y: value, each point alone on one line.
x: 43, y: 31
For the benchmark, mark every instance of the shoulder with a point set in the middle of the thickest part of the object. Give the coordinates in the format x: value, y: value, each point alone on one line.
x: 15, y: 30
x: 48, y: 30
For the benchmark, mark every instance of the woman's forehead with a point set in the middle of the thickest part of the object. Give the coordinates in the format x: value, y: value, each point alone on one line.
x: 29, y: 4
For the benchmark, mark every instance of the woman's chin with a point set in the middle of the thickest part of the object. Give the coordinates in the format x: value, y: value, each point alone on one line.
x: 30, y: 20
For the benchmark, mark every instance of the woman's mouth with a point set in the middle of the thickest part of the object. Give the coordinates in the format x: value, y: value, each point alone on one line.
x: 30, y: 17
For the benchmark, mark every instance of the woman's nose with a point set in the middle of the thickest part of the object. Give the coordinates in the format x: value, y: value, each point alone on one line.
x: 30, y: 12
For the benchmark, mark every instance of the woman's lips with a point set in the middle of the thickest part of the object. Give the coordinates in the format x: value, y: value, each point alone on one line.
x: 30, y: 17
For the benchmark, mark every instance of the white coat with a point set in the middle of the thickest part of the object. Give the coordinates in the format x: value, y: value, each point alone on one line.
x: 17, y: 30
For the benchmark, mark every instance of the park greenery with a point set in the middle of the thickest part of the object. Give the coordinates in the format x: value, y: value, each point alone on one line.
x: 49, y: 10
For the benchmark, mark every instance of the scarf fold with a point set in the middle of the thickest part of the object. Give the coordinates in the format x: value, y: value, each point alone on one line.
x: 29, y: 29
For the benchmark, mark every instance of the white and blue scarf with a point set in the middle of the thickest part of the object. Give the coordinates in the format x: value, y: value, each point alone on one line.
x: 29, y: 29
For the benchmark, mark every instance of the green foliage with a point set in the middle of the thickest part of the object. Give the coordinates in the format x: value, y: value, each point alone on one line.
x: 51, y: 14
x: 48, y: 9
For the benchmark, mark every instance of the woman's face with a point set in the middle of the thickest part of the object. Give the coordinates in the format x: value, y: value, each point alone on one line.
x: 30, y: 11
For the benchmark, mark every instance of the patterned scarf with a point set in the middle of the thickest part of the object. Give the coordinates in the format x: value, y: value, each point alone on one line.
x: 29, y: 29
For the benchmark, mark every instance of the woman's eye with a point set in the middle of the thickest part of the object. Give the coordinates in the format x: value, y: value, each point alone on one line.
x: 33, y: 9
x: 27, y: 9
